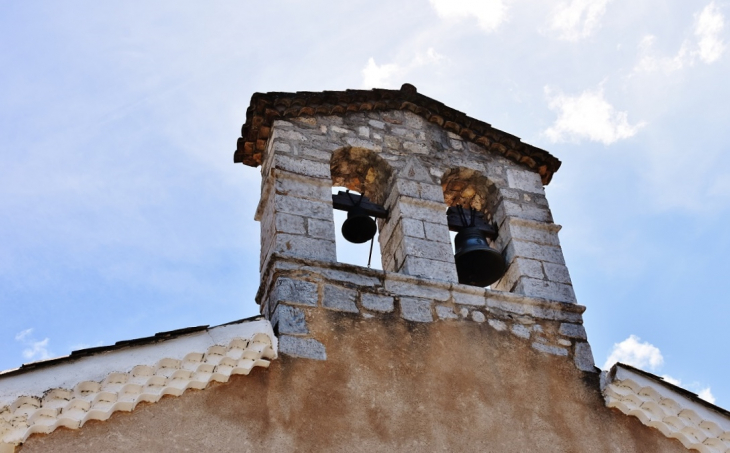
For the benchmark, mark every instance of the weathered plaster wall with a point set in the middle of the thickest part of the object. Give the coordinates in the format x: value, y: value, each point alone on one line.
x: 456, y: 383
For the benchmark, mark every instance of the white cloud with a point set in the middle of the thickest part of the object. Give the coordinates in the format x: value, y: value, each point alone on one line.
x: 708, y: 28
x: 703, y: 392
x: 37, y: 349
x: 490, y: 14
x: 708, y: 45
x: 577, y: 19
x: 391, y: 75
x: 589, y: 116
x: 707, y: 395
x: 632, y: 351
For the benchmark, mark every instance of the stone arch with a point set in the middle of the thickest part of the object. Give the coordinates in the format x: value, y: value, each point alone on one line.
x: 363, y: 171
x: 471, y: 189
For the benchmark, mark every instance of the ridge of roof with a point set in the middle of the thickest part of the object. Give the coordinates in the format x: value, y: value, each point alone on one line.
x: 265, y: 108
x: 86, y: 352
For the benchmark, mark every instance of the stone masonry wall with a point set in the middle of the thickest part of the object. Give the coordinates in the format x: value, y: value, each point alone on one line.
x: 296, y: 212
x: 296, y: 291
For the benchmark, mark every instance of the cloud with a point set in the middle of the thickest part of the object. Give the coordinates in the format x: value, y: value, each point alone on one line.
x: 391, y: 75
x: 588, y: 116
x: 37, y: 349
x: 708, y: 28
x: 642, y: 354
x: 632, y: 351
x: 578, y: 19
x: 490, y: 14
x: 703, y: 392
x: 707, y: 45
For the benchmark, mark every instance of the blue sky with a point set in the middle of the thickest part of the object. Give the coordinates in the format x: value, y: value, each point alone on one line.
x: 123, y: 214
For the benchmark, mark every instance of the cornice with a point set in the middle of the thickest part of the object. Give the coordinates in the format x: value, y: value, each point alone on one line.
x: 265, y: 108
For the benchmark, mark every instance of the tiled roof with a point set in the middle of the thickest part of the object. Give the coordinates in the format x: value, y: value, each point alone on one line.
x: 265, y: 108
x: 672, y: 410
x: 94, y: 383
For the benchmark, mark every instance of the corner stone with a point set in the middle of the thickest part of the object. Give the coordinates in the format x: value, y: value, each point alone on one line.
x: 573, y: 331
x: 584, y: 357
x: 306, y: 348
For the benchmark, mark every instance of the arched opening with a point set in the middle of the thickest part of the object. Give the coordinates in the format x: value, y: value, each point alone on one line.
x: 471, y: 198
x: 361, y: 172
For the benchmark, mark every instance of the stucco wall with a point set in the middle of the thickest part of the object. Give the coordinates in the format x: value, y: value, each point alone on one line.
x: 387, y: 384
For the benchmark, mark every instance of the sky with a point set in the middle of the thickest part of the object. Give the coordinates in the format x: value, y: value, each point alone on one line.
x: 122, y: 213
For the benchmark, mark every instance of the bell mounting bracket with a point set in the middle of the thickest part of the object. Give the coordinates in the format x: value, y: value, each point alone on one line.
x: 456, y: 223
x: 345, y: 201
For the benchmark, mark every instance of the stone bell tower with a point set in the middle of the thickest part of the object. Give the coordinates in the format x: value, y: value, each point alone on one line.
x: 414, y: 157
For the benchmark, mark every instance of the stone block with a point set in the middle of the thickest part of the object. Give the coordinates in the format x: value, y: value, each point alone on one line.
x: 295, y: 291
x: 289, y: 223
x: 497, y: 324
x: 339, y: 130
x: 363, y: 131
x: 413, y: 228
x: 362, y: 143
x: 407, y: 288
x: 376, y: 302
x: 554, y: 350
x: 533, y: 251
x: 319, y: 228
x: 377, y: 124
x: 523, y: 211
x: 423, y: 248
x: 304, y: 167
x: 291, y: 320
x: 403, y: 132
x: 444, y: 312
x: 583, y: 358
x: 573, y: 331
x: 478, y: 316
x: 302, y: 187
x: 417, y: 310
x: 316, y: 153
x: 559, y: 292
x: 469, y: 299
x: 416, y: 147
x: 519, y: 267
x: 414, y: 121
x: 306, y: 247
x: 525, y: 180
x: 556, y: 273
x: 299, y: 206
x: 340, y: 299
x: 392, y: 142
x: 307, y: 348
x: 540, y: 233
x: 520, y: 330
x: 281, y: 124
x: 431, y: 269
x: 437, y: 232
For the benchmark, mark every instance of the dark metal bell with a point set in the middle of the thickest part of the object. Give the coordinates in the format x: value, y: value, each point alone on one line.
x: 477, y: 264
x: 358, y: 227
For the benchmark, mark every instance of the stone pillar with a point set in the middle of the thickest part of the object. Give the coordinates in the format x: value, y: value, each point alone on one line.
x: 529, y: 241
x: 295, y: 210
x: 415, y: 239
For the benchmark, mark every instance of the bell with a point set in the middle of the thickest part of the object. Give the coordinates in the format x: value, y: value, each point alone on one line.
x: 477, y: 264
x: 358, y: 227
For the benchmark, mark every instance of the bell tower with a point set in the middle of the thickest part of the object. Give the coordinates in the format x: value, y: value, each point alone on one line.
x: 424, y: 169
